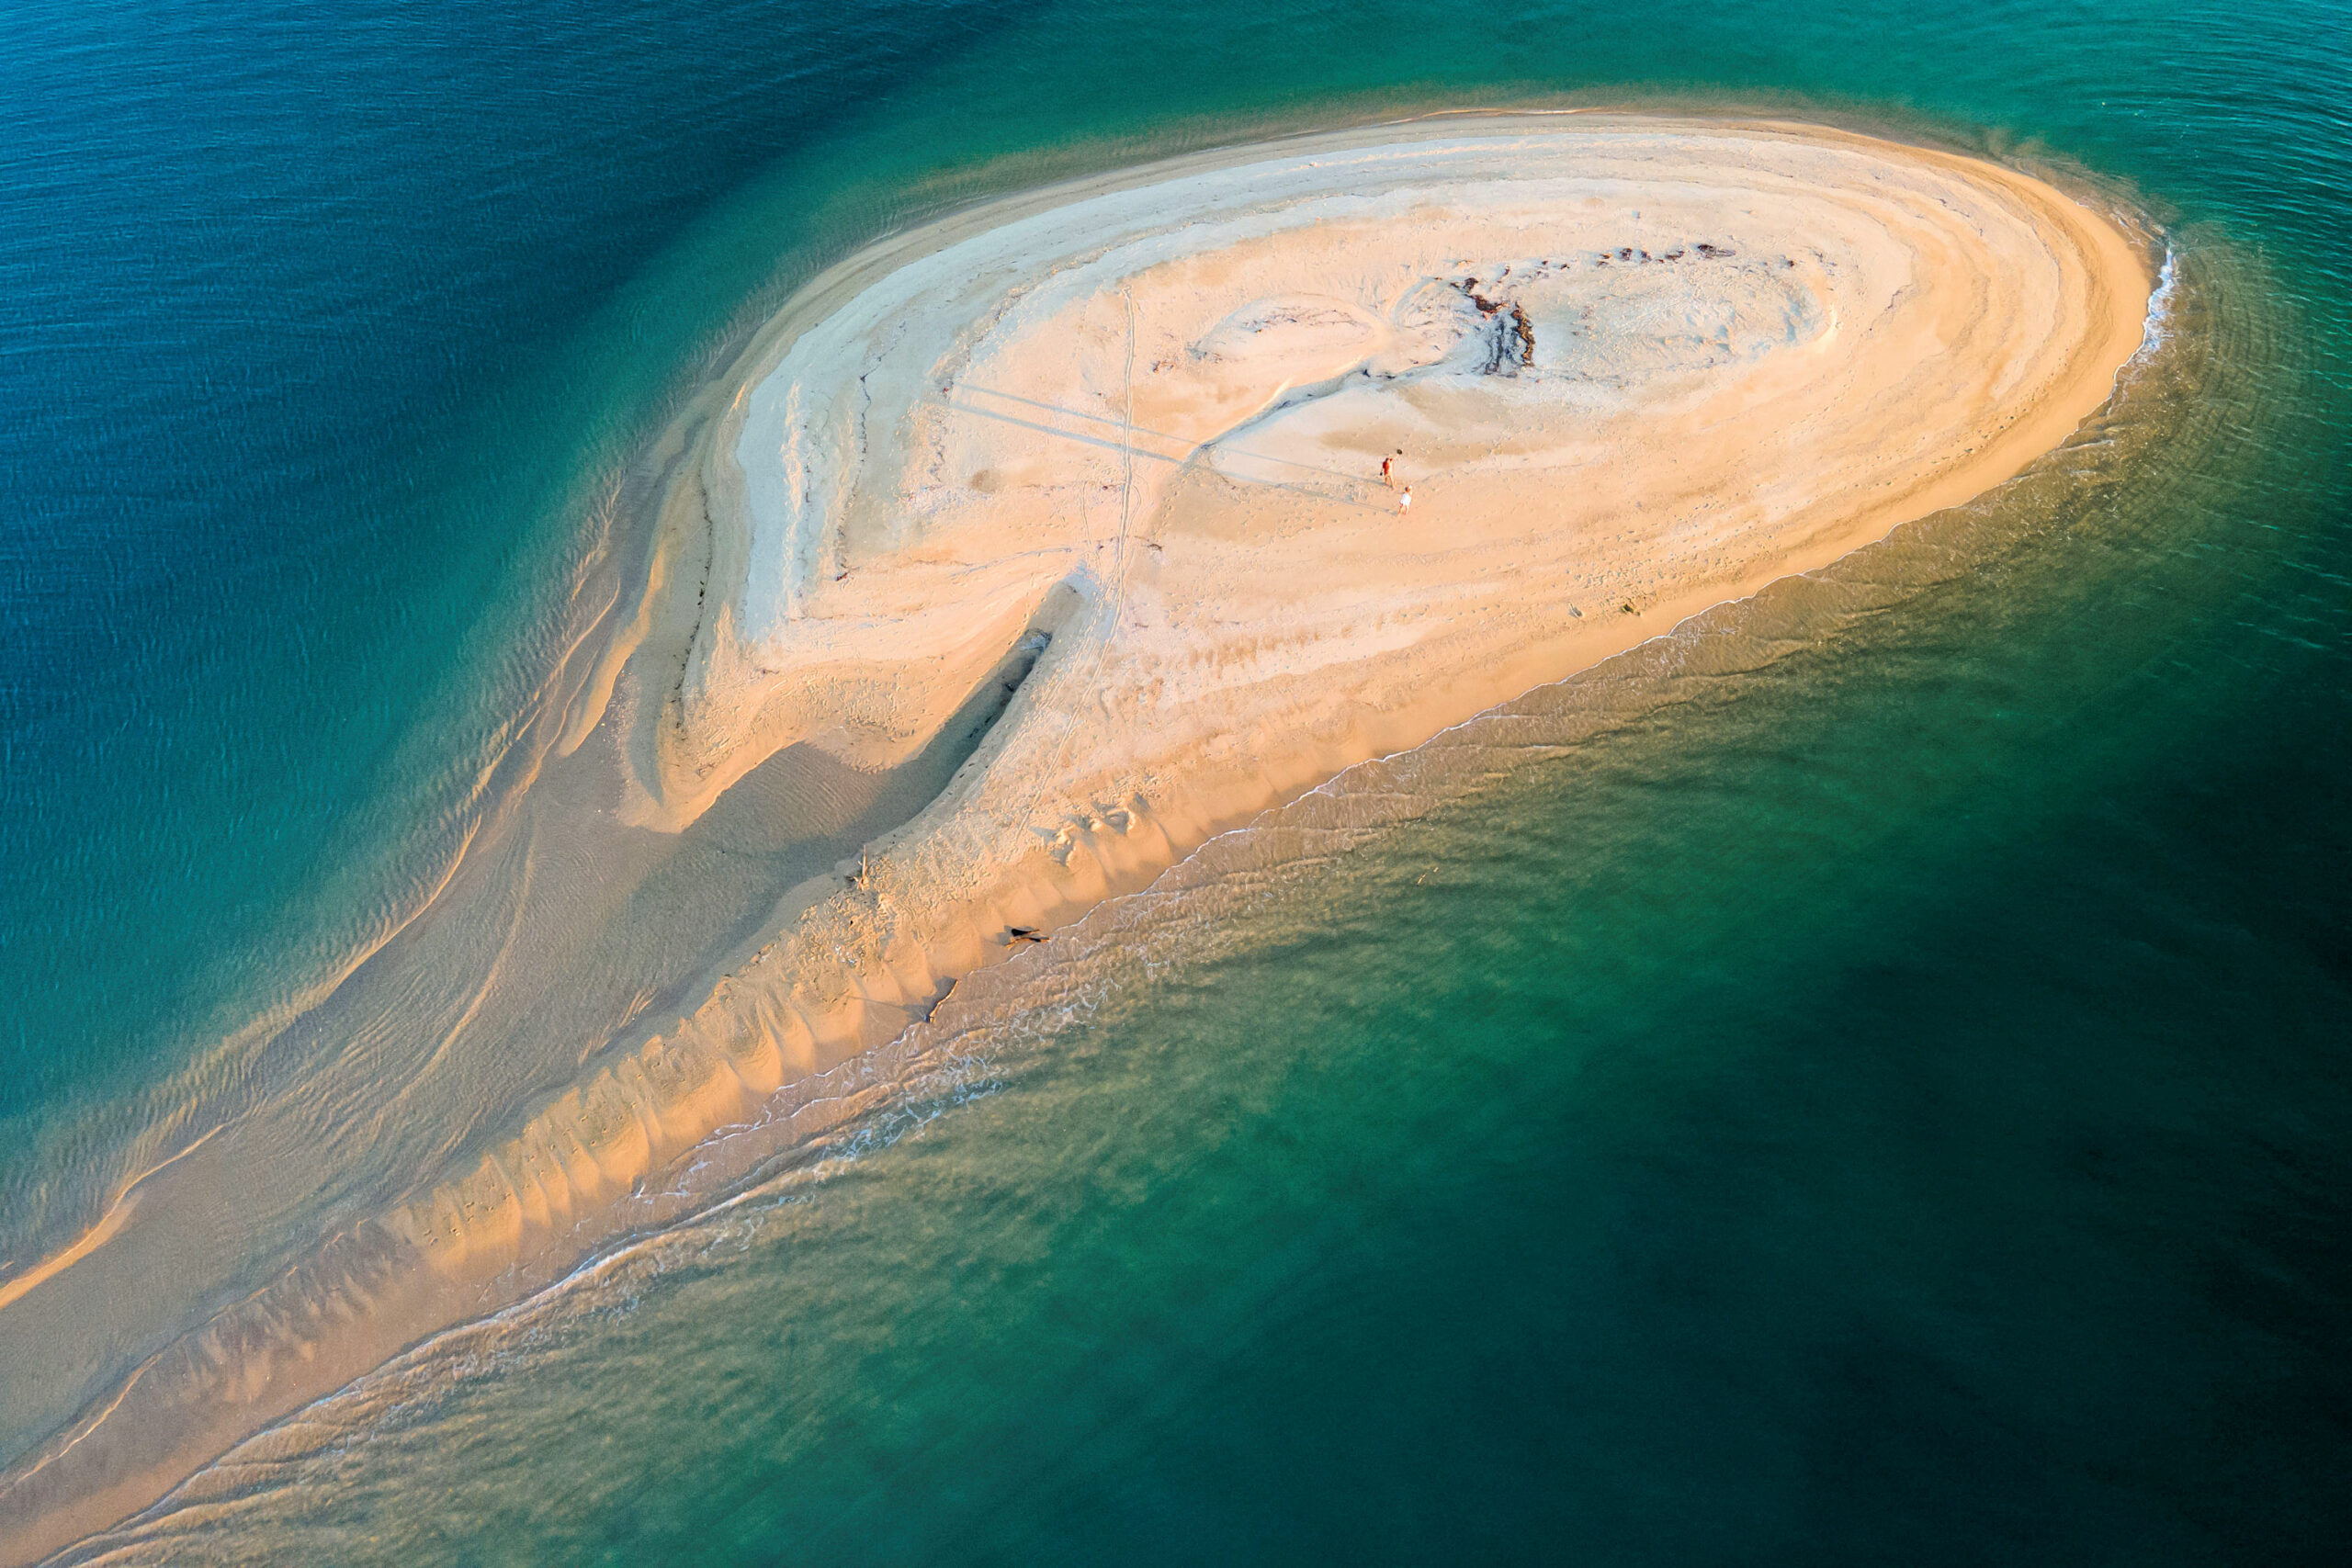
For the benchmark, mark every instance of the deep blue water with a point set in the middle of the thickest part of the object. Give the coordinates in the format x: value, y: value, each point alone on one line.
x: 1898, y: 1107
x: 315, y: 323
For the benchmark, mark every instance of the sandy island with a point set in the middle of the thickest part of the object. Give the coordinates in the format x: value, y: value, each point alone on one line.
x: 1629, y: 367
x: 1114, y: 448
x: 1134, y: 429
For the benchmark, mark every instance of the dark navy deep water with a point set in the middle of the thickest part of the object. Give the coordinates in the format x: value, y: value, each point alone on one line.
x: 1893, y: 1106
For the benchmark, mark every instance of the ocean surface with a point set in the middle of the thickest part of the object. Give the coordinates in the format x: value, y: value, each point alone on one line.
x: 1868, y: 1080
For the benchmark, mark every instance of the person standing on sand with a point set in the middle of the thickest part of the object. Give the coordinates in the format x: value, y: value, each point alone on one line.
x: 1404, y: 502
x: 1387, y: 473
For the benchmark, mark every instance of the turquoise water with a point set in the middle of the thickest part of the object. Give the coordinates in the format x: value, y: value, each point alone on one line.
x: 1888, y: 1103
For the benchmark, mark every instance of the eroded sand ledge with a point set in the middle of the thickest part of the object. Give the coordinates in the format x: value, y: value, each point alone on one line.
x: 1636, y: 366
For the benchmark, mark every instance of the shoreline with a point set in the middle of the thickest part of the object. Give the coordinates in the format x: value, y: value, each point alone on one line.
x: 779, y: 1011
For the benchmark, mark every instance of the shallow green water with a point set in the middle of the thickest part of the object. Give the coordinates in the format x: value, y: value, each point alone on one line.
x: 1878, y: 1094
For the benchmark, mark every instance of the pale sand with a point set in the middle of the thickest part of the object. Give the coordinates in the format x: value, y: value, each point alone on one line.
x: 1145, y: 415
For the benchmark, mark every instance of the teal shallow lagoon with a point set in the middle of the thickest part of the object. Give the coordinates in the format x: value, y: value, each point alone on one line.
x: 1802, y: 1002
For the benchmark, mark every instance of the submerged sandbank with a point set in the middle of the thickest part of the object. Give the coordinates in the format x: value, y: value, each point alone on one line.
x: 1635, y: 367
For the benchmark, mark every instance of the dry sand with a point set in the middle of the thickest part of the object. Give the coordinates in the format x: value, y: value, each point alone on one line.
x: 1631, y: 368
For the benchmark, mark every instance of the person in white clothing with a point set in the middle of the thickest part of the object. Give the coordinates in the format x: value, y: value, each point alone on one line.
x: 1405, y: 501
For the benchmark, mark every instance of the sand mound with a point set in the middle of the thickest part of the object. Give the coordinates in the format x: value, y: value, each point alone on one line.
x: 1630, y: 367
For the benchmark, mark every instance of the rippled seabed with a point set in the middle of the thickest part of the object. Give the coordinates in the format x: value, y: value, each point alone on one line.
x: 1887, y: 1102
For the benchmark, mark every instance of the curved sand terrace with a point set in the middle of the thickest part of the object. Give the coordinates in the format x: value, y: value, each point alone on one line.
x: 1131, y: 430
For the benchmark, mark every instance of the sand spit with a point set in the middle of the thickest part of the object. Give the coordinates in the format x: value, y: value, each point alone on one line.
x: 1124, y: 438
x: 1630, y: 367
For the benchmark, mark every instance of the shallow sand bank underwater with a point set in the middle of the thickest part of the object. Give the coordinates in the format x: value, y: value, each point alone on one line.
x: 1111, y: 451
